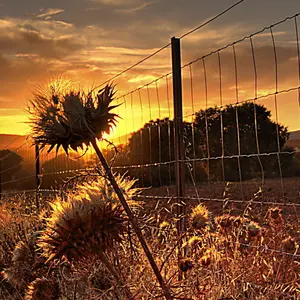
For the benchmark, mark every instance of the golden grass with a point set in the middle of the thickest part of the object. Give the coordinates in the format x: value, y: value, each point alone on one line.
x: 229, y: 256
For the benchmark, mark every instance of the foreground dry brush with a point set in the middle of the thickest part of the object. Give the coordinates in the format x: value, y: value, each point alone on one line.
x: 83, y: 247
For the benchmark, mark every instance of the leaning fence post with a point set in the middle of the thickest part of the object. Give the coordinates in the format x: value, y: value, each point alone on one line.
x: 178, y: 133
x: 37, y: 176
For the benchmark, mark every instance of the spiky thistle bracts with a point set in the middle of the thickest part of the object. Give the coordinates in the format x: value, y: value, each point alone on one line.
x: 71, y: 119
x: 90, y: 221
x: 42, y: 289
x: 199, y: 217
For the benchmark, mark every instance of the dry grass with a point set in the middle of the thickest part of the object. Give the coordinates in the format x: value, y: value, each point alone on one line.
x: 240, y: 252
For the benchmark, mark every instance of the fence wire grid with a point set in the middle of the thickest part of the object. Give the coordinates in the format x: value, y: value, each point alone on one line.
x: 237, y: 102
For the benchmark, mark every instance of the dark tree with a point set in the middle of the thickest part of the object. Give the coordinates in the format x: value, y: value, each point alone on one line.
x: 154, y: 144
x: 239, y: 137
x: 11, y: 163
x: 53, y: 168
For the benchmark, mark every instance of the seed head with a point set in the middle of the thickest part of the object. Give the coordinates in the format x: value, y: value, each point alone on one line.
x: 199, y: 217
x: 164, y: 225
x: 21, y: 252
x: 224, y: 221
x: 186, y: 264
x: 289, y: 245
x: 42, y: 289
x: 205, y: 260
x: 90, y: 220
x: 69, y: 118
x: 20, y: 271
x: 237, y: 221
x: 195, y: 241
x: 253, y: 229
x: 275, y: 212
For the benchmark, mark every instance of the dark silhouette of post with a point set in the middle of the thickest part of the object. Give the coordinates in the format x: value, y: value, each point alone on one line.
x: 0, y: 180
x: 37, y: 176
x: 178, y: 132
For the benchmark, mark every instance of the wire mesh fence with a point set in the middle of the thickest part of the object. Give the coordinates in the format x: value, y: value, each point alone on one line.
x: 236, y: 129
x: 241, y: 104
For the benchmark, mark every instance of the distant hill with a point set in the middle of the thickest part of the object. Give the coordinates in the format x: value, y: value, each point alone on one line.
x: 14, y: 141
x: 11, y: 141
x: 295, y: 135
x: 294, y: 140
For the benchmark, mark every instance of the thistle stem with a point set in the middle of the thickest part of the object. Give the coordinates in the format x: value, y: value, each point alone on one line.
x: 113, y: 272
x: 133, y: 221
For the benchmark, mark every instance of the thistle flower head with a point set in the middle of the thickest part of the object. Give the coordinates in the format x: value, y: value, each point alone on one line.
x: 164, y: 225
x: 42, y: 289
x: 275, y: 212
x: 199, y: 217
x: 253, y: 229
x: 224, y: 221
x: 205, y: 260
x: 70, y: 118
x: 21, y: 270
x: 289, y: 244
x: 186, y: 264
x: 195, y: 241
x: 90, y: 220
x: 275, y: 216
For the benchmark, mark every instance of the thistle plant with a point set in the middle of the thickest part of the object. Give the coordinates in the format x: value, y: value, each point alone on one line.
x: 42, y: 289
x: 71, y: 119
x: 88, y: 223
x: 199, y: 217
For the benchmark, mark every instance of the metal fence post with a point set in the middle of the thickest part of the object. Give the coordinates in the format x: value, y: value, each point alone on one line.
x: 178, y: 133
x: 0, y: 180
x: 37, y: 176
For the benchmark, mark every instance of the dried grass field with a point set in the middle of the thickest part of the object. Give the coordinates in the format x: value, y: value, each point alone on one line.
x: 83, y: 247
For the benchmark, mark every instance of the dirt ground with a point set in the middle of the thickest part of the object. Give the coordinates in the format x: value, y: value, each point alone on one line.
x: 234, y: 197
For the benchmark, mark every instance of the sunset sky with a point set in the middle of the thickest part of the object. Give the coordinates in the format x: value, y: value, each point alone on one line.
x: 89, y: 41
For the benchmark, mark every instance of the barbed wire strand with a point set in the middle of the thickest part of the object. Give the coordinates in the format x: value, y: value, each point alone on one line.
x: 212, y: 19
x: 167, y: 45
x: 241, y: 40
x: 193, y: 198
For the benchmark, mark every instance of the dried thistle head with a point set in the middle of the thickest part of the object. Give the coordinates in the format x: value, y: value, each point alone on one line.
x: 21, y: 252
x: 275, y: 212
x: 224, y: 221
x: 42, y: 289
x: 205, y: 260
x: 89, y: 221
x: 186, y: 264
x: 237, y: 221
x: 21, y: 268
x: 71, y: 118
x: 100, y: 280
x: 164, y: 225
x: 199, y: 217
x: 253, y: 229
x: 195, y: 241
x: 275, y: 216
x: 289, y: 245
